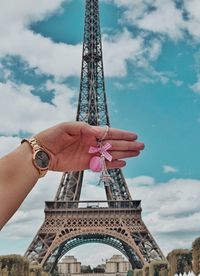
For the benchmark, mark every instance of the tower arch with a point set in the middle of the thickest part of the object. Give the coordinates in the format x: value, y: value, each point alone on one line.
x: 101, y: 238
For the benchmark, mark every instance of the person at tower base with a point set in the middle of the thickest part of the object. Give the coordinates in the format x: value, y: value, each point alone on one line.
x: 63, y: 147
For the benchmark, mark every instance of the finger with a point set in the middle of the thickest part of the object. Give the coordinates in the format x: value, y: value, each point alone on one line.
x: 124, y: 145
x: 73, y: 128
x: 83, y: 129
x: 115, y: 134
x: 115, y: 164
x: 124, y: 154
x: 88, y: 135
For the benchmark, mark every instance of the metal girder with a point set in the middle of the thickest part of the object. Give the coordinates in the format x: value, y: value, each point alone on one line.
x: 72, y: 223
x: 124, y: 248
x: 92, y: 238
x: 92, y: 106
x: 134, y: 241
x: 70, y: 186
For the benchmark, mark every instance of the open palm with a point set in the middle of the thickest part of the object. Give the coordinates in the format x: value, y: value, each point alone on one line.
x: 68, y: 145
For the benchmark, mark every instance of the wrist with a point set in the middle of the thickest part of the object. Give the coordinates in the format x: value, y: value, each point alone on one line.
x: 27, y: 153
x: 40, y: 157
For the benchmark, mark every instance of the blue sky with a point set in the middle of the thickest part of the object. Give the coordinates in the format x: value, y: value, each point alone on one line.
x: 152, y: 74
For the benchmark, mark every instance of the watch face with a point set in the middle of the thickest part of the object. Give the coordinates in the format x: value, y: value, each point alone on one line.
x: 42, y: 159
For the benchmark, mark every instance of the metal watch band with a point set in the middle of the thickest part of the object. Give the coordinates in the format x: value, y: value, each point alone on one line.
x: 35, y: 147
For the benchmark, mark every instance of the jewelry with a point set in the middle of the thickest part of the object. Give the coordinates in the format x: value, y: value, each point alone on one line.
x: 41, y: 158
x: 105, y: 176
x: 98, y: 163
x: 105, y: 134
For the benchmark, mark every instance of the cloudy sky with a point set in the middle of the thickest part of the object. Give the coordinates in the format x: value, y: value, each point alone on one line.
x: 152, y: 69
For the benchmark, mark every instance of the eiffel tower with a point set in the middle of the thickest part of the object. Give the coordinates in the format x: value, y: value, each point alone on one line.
x: 70, y: 222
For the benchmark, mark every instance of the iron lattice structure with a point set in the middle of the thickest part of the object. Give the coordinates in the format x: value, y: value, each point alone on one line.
x: 70, y: 222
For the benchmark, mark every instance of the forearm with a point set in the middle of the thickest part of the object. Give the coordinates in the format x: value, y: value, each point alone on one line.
x: 17, y: 177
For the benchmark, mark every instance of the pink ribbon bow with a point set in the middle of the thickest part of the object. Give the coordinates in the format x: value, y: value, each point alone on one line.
x: 102, y: 150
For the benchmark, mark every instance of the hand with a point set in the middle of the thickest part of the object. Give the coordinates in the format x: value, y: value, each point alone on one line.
x: 68, y: 145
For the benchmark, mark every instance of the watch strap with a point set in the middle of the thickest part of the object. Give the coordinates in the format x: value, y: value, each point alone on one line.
x: 35, y: 146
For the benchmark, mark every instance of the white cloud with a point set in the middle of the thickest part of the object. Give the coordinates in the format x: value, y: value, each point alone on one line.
x: 169, y: 169
x: 29, y: 217
x: 57, y: 59
x: 91, y: 190
x: 137, y: 8
x: 25, y: 12
x: 192, y: 25
x: 171, y: 211
x: 165, y: 19
x: 118, y: 50
x: 4, y: 72
x: 141, y: 180
x: 155, y: 49
x: 34, y: 203
x: 163, y: 16
x: 133, y: 50
x: 62, y: 60
x: 196, y: 86
x: 17, y: 39
x: 159, y: 16
x: 167, y: 208
x: 20, y: 110
x: 178, y: 83
x: 24, y: 225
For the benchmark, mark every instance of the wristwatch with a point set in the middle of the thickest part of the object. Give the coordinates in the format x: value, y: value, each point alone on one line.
x: 41, y: 158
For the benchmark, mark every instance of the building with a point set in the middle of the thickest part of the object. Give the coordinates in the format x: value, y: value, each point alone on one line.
x: 69, y: 266
x: 115, y: 266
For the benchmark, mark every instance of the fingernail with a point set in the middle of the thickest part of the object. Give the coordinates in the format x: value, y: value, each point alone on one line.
x: 135, y: 136
x: 142, y: 145
x: 124, y: 164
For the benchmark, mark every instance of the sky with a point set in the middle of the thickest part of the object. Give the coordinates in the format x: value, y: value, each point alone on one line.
x: 152, y: 74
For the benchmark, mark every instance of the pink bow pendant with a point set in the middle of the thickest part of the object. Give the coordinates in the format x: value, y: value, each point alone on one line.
x: 97, y: 163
